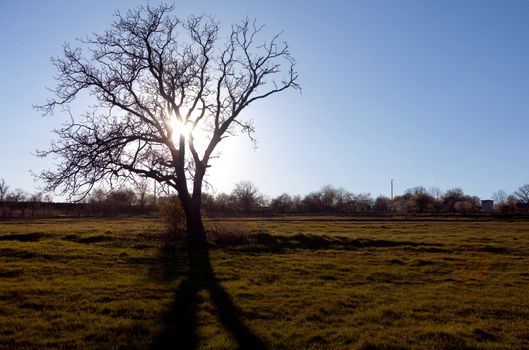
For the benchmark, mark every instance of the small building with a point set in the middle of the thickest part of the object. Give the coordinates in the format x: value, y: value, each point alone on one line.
x: 487, y: 205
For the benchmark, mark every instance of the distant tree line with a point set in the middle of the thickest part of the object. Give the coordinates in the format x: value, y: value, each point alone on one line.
x: 246, y: 199
x: 126, y: 201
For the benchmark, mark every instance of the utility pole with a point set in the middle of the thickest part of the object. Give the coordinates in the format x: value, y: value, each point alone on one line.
x: 391, y: 189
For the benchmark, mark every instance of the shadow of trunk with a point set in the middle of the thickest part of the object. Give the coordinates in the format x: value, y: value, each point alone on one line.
x: 180, y: 322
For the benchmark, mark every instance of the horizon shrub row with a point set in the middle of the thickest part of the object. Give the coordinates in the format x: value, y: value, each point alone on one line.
x: 246, y: 199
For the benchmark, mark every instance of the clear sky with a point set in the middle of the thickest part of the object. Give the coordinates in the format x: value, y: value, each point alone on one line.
x: 431, y: 93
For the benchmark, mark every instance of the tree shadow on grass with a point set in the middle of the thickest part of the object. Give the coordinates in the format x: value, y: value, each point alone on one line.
x: 194, y: 265
x: 180, y: 322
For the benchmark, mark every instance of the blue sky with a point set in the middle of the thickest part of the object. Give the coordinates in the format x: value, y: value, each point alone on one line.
x: 431, y: 93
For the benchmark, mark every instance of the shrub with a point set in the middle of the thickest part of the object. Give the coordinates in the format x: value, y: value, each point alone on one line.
x: 172, y: 213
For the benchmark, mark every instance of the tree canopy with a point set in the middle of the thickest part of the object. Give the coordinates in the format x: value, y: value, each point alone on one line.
x: 158, y: 82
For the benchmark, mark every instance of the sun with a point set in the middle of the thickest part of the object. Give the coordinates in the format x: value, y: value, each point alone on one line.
x: 180, y: 128
x: 194, y: 134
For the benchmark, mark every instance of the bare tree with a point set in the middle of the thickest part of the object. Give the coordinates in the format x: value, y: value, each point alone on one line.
x: 523, y: 193
x: 246, y: 196
x: 382, y: 204
x: 500, y: 197
x: 4, y: 188
x: 35, y: 197
x: 363, y: 202
x: 17, y: 195
x: 419, y: 200
x: 415, y: 191
x: 124, y: 197
x: 141, y: 187
x: 333, y: 198
x: 282, y: 203
x: 435, y: 192
x: 159, y: 82
x: 98, y: 196
x: 451, y: 197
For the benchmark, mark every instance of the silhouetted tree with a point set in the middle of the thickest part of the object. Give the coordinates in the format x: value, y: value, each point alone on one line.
x: 363, y: 202
x: 35, y: 197
x: 500, y: 197
x: 97, y: 201
x: 469, y: 204
x: 455, y: 200
x: 122, y: 197
x: 312, y: 202
x: 402, y: 204
x: 331, y: 197
x: 512, y: 204
x: 282, y: 203
x: 382, y: 204
x: 328, y: 199
x: 246, y: 196
x: 522, y: 193
x: 420, y: 200
x: 297, y: 203
x: 500, y: 201
x: 17, y: 195
x: 435, y: 192
x: 97, y: 196
x: 415, y: 190
x: 4, y: 188
x: 158, y: 82
x: 451, y: 197
x: 208, y: 202
x: 141, y: 185
x: 224, y: 201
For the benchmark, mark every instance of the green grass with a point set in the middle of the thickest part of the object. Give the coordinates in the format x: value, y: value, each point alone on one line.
x: 280, y: 283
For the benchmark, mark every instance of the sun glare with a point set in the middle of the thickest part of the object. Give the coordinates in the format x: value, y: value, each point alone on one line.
x: 179, y: 128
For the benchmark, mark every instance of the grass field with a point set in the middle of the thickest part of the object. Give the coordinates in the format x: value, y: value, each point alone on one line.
x: 280, y: 283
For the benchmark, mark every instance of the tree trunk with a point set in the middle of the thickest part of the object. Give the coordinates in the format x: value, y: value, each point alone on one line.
x: 194, y: 225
